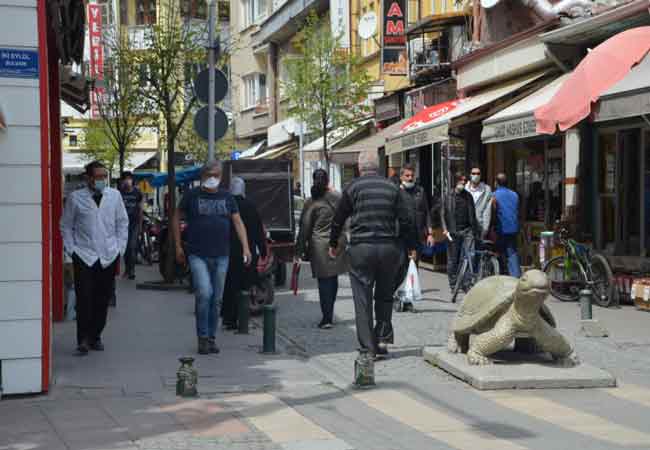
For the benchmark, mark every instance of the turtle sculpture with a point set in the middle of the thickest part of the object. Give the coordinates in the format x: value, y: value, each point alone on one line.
x: 503, y: 309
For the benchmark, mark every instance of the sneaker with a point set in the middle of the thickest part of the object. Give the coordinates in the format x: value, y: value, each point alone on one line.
x: 204, y: 346
x: 212, y: 346
x: 98, y: 346
x: 325, y: 325
x: 382, y: 349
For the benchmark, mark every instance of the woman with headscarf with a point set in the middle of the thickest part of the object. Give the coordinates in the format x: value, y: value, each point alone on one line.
x: 313, y: 243
x: 239, y: 276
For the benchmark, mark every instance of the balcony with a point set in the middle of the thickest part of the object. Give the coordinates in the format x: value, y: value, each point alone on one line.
x: 140, y: 36
x: 285, y: 20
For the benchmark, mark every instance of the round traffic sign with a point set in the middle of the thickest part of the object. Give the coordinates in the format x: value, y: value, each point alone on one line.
x: 201, y: 123
x: 202, y: 84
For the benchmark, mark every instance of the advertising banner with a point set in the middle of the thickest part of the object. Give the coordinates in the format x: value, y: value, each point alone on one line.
x: 96, y: 56
x: 394, y: 59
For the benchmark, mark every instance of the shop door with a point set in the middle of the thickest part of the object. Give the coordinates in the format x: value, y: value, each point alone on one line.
x: 620, y: 193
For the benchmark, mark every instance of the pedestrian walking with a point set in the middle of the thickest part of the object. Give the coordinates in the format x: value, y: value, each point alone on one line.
x: 240, y: 276
x: 133, y: 202
x: 377, y: 221
x: 506, y: 205
x: 459, y: 225
x: 313, y: 240
x: 416, y: 203
x: 482, y: 196
x: 209, y: 212
x: 95, y: 229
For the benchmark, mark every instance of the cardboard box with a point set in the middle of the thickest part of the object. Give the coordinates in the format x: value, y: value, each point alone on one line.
x: 640, y: 293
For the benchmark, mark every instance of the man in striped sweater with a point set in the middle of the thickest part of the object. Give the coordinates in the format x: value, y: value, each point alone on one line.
x: 377, y: 221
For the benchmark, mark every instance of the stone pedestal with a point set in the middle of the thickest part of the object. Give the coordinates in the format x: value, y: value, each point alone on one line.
x: 513, y: 370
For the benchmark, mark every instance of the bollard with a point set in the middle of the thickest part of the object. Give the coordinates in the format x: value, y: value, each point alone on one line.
x: 187, y: 378
x: 243, y: 313
x: 364, y: 370
x: 585, y: 305
x: 269, y: 329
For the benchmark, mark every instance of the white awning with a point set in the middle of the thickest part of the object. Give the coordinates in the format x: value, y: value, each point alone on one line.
x: 252, y: 151
x: 75, y: 163
x: 335, y: 136
x: 137, y: 159
x: 276, y: 152
x: 518, y: 120
x: 630, y: 97
x: 438, y: 129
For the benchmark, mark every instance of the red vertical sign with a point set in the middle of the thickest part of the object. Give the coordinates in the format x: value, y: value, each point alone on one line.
x: 96, y: 56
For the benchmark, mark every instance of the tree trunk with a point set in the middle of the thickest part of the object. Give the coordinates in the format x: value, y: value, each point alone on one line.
x: 169, y: 265
x: 122, y: 154
x: 326, y: 152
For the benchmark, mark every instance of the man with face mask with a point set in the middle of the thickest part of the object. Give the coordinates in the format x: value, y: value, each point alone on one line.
x: 459, y: 225
x: 132, y: 198
x: 482, y: 195
x: 95, y: 228
x: 209, y: 212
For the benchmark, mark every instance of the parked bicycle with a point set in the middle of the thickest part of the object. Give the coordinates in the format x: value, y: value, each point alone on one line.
x: 468, y: 275
x: 577, y: 269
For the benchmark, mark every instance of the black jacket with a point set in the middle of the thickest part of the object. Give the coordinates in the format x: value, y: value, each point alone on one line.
x: 448, y: 210
x: 417, y: 204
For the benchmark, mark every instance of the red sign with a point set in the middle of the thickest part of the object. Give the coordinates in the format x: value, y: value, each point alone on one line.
x: 96, y: 56
x: 393, y: 55
x: 428, y: 115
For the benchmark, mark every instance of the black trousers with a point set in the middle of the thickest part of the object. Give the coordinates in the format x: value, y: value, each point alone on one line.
x: 130, y: 256
x: 454, y: 252
x: 373, y: 269
x: 327, y: 290
x: 93, y: 288
x: 232, y: 291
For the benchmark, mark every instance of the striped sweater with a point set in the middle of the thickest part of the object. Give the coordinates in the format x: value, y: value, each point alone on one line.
x: 374, y: 206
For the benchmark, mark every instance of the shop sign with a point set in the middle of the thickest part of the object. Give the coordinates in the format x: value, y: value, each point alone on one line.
x: 387, y: 108
x: 393, y: 53
x: 18, y: 63
x: 340, y: 21
x: 96, y: 57
x: 515, y: 129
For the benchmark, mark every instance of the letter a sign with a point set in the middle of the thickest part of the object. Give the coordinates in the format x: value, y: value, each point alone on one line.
x: 393, y: 54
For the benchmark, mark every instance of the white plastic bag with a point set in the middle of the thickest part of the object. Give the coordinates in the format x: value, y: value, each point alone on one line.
x: 410, y: 290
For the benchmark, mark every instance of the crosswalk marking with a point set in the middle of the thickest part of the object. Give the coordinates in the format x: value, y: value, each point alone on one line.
x: 632, y: 393
x: 434, y: 422
x: 569, y: 418
x: 281, y: 423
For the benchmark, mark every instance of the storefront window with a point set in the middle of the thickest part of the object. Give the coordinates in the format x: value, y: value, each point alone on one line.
x: 524, y: 166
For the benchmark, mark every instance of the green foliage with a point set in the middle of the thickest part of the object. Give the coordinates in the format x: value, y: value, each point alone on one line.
x: 327, y: 86
x: 99, y: 145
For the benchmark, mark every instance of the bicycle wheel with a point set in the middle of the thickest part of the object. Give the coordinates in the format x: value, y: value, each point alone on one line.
x: 603, y: 281
x: 489, y: 267
x: 565, y: 280
x: 460, y: 280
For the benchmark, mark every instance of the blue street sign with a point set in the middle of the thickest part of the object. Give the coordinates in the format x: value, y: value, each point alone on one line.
x: 235, y: 156
x: 18, y: 63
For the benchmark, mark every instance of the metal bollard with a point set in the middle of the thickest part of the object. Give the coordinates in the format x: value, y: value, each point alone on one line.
x: 187, y: 378
x: 243, y: 313
x: 364, y: 370
x: 269, y: 329
x: 585, y: 304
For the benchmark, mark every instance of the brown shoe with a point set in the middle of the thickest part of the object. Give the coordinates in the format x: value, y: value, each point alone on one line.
x: 204, y: 346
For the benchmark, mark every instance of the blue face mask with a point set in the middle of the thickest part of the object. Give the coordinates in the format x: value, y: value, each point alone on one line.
x: 100, y: 185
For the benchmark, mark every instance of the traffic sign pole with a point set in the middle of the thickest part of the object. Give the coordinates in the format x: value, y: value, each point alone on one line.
x: 211, y: 68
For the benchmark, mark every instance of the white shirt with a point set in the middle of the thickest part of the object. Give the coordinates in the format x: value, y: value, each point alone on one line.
x: 476, y: 192
x: 95, y: 233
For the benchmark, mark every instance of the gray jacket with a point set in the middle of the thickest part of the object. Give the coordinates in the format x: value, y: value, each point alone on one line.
x: 483, y: 207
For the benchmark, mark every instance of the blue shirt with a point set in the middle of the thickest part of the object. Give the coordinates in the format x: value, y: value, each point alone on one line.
x: 507, y: 211
x: 208, y: 216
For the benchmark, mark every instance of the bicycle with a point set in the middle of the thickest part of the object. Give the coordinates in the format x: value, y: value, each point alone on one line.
x: 579, y: 268
x: 488, y: 265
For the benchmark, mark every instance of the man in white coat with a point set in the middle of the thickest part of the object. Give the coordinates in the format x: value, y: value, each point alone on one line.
x: 482, y: 195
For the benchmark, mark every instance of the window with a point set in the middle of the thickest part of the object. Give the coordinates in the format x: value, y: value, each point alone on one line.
x: 73, y: 140
x: 195, y: 9
x: 254, y: 90
x: 253, y: 11
x: 145, y: 12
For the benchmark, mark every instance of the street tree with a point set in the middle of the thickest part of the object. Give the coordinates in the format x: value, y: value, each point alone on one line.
x: 171, y: 46
x: 98, y: 145
x: 122, y: 108
x: 327, y: 86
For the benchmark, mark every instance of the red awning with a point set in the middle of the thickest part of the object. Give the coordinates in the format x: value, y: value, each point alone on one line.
x: 428, y: 115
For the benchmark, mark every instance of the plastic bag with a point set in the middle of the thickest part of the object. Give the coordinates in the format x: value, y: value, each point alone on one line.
x: 410, y: 290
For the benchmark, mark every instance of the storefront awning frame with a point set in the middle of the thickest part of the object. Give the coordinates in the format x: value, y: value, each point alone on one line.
x: 628, y: 98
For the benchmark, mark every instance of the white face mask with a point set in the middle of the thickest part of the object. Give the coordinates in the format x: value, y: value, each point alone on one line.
x: 409, y: 184
x: 100, y: 185
x: 211, y: 183
x: 475, y: 179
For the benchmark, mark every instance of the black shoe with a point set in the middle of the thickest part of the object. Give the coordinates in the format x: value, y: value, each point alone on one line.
x: 98, y: 346
x: 204, y: 346
x: 382, y: 349
x: 212, y: 346
x: 82, y: 349
x: 230, y: 326
x: 323, y: 325
x: 132, y: 276
x: 408, y: 307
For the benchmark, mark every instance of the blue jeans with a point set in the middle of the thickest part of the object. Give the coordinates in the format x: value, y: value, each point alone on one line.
x: 209, y: 277
x: 507, y: 248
